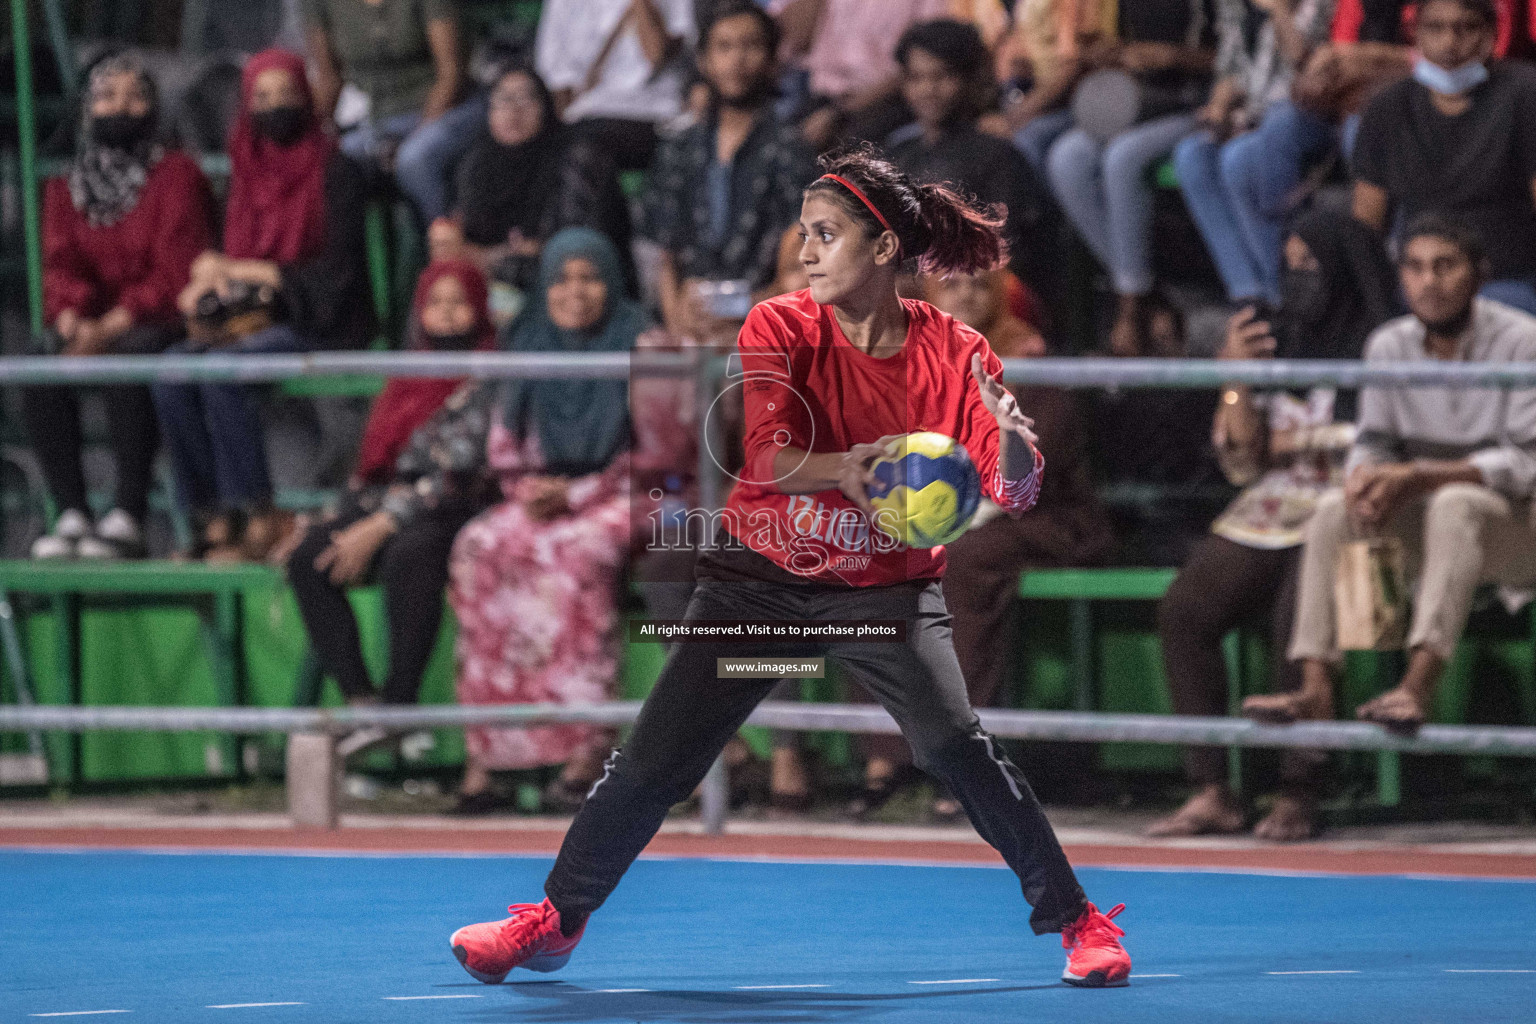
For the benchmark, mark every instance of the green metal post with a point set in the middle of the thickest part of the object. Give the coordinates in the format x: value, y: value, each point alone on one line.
x: 66, y: 620
x: 63, y: 52
x: 1389, y: 778
x: 1080, y: 615
x: 1237, y: 682
x: 26, y: 130
x: 220, y: 634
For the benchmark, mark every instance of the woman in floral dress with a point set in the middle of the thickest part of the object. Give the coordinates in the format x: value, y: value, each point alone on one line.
x: 535, y: 580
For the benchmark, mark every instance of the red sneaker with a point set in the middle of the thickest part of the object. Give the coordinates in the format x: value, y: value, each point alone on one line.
x: 530, y: 938
x: 1095, y: 958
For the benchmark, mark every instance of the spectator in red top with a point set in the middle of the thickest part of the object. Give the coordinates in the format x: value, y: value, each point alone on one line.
x: 120, y: 232
x: 383, y: 529
x: 293, y: 246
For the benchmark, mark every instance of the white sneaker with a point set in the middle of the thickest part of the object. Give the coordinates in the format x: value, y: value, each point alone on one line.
x: 359, y: 740
x: 116, y: 536
x: 119, y: 526
x: 95, y: 549
x: 52, y: 547
x: 71, y: 527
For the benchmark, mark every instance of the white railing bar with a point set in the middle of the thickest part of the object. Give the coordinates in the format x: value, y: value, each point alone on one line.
x: 1073, y: 726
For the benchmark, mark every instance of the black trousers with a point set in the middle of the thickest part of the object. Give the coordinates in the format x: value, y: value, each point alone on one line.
x: 1225, y: 585
x: 412, y: 567
x: 51, y: 415
x: 691, y: 714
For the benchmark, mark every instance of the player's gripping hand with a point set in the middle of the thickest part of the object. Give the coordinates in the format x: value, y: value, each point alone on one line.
x: 857, y: 473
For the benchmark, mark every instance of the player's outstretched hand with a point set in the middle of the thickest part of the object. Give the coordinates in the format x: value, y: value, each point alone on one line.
x: 1001, y: 403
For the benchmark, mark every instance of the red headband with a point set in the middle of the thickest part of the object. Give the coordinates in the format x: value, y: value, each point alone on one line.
x: 851, y: 187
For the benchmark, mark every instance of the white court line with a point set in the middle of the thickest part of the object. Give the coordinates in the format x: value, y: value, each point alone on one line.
x: 758, y: 988
x: 403, y: 999
x: 613, y: 991
x: 246, y: 1006
x: 1157, y: 975
x: 1488, y: 970
x: 954, y: 981
x: 1311, y: 972
x: 77, y: 1013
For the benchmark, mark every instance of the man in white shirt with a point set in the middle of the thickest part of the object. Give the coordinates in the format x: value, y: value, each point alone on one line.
x: 1449, y: 472
x: 613, y: 67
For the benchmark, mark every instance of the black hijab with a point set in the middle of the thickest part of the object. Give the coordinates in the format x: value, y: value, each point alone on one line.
x: 506, y: 187
x: 1358, y: 290
x: 1353, y: 293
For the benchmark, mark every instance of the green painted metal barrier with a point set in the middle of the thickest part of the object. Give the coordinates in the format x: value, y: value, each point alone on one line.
x: 26, y: 130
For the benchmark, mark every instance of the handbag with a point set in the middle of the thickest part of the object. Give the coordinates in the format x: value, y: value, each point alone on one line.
x: 1370, y: 594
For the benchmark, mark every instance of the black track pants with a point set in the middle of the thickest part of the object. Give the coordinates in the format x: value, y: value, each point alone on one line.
x: 691, y: 714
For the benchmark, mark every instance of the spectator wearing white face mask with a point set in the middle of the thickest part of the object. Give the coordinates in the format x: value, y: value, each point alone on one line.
x: 1458, y: 138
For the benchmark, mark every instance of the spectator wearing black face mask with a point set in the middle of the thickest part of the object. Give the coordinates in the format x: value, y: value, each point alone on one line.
x: 291, y: 278
x: 1286, y: 450
x: 120, y: 232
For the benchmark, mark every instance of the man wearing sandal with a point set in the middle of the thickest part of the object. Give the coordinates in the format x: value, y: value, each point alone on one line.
x: 1447, y: 471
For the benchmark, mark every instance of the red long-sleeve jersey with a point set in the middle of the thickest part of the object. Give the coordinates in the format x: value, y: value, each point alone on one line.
x: 805, y: 385
x: 140, y: 263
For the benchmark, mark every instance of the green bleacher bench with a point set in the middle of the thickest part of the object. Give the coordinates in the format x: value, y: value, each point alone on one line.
x: 358, y: 386
x: 1080, y: 588
x: 1095, y: 584
x: 214, y: 592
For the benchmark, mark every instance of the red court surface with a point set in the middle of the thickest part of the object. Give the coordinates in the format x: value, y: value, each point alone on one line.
x: 1318, y: 857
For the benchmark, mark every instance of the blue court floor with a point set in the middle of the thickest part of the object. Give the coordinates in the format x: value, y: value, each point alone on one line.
x: 274, y: 939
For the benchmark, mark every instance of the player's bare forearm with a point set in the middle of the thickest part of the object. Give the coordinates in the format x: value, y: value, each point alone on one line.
x: 1016, y: 456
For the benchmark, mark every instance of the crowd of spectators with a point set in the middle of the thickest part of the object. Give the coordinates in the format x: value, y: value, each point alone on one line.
x: 1341, y: 162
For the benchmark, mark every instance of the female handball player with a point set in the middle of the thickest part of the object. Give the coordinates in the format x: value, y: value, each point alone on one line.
x: 830, y: 374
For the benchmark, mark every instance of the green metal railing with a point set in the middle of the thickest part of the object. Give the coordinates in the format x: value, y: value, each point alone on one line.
x: 26, y: 132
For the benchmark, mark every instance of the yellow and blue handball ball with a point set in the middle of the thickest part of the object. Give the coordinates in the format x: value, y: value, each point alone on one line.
x: 926, y: 489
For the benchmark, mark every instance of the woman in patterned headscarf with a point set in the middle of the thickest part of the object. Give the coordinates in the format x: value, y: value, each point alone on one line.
x: 120, y: 232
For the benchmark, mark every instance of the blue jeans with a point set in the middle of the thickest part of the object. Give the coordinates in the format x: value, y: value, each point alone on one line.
x: 1104, y: 189
x: 1517, y: 292
x: 1349, y: 132
x: 1240, y: 193
x: 427, y: 153
x: 213, y: 431
x: 1034, y: 140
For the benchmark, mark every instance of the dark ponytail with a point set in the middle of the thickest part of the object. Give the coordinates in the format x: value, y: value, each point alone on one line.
x: 941, y: 232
